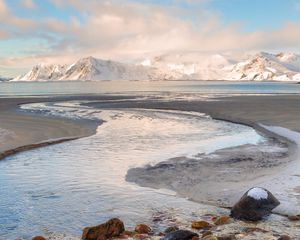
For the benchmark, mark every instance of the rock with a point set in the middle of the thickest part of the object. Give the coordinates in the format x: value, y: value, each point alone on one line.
x: 171, y: 229
x: 294, y: 218
x: 200, y: 224
x: 222, y: 220
x: 284, y: 237
x: 141, y: 236
x: 112, y: 228
x: 39, y: 238
x: 210, y: 237
x: 195, y: 238
x: 227, y: 237
x: 255, y: 204
x: 142, y: 229
x: 180, y: 235
x: 126, y: 234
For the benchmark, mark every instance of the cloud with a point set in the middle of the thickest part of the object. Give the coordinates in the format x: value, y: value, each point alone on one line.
x: 29, y: 4
x: 127, y: 29
x: 3, y: 8
x: 11, y: 22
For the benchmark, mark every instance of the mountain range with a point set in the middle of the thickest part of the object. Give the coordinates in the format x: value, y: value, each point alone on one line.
x: 176, y: 66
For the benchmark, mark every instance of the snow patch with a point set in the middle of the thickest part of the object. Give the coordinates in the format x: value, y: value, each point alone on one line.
x: 258, y: 193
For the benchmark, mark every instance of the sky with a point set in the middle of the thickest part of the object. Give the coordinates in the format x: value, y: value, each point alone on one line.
x: 62, y: 31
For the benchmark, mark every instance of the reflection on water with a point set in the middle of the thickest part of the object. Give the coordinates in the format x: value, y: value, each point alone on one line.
x: 141, y: 87
x: 75, y: 184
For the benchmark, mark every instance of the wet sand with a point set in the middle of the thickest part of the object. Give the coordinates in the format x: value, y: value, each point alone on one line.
x: 26, y: 131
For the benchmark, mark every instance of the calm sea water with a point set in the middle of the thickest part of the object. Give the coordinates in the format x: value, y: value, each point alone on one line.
x: 204, y: 87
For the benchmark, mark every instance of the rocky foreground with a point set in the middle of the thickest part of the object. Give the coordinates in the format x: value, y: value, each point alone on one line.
x: 247, y: 221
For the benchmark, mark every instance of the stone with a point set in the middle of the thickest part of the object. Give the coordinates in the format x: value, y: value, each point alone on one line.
x: 222, y: 220
x: 39, y: 238
x: 171, y: 229
x: 112, y: 228
x: 227, y: 237
x: 200, y: 224
x: 284, y: 237
x: 294, y: 218
x: 180, y: 235
x: 255, y: 205
x: 210, y: 237
x: 195, y: 238
x: 142, y: 229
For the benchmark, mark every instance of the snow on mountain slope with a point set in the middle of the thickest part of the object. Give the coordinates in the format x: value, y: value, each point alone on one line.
x: 176, y: 66
x: 94, y: 69
x: 266, y: 66
x: 191, y: 65
x: 43, y: 72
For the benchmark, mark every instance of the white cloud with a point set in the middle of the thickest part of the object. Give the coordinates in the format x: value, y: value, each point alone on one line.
x: 29, y: 4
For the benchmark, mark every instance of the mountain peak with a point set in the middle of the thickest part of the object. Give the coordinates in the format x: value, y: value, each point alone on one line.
x: 191, y: 65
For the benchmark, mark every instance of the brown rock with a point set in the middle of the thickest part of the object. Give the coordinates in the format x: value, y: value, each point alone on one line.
x: 141, y: 236
x: 143, y: 229
x: 200, y: 224
x: 195, y: 238
x: 284, y: 237
x: 38, y: 238
x: 112, y: 228
x: 294, y: 218
x: 222, y: 220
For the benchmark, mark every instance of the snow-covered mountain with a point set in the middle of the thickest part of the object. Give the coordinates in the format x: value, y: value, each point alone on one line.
x: 94, y: 69
x: 176, y: 66
x: 266, y: 66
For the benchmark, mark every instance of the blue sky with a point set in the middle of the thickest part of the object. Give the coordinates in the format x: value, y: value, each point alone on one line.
x: 64, y: 30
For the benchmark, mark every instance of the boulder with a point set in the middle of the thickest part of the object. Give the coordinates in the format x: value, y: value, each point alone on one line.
x: 112, y: 228
x: 142, y: 229
x: 180, y: 235
x: 255, y: 204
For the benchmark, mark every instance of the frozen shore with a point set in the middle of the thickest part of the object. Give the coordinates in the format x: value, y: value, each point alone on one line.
x: 265, y: 163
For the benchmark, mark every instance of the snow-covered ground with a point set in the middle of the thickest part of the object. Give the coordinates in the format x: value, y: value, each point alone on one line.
x: 176, y: 66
